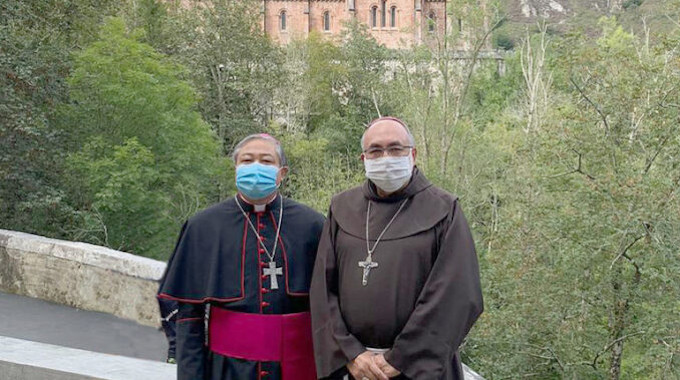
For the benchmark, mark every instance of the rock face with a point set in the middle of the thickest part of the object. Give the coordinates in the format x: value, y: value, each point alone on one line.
x: 80, y: 275
x: 542, y: 8
x: 557, y: 10
x: 580, y: 17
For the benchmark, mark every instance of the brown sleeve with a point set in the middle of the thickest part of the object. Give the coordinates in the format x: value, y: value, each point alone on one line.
x: 334, y: 346
x: 447, y: 307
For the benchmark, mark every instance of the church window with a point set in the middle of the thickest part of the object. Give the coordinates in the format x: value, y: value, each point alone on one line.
x: 393, y: 17
x: 326, y: 21
x: 431, y: 22
x: 383, y: 13
x: 283, y: 20
x: 374, y: 17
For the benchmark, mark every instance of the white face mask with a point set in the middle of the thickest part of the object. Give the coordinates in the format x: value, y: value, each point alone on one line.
x: 389, y: 173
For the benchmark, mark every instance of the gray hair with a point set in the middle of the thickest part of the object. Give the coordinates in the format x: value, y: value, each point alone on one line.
x: 261, y: 136
x: 411, y: 140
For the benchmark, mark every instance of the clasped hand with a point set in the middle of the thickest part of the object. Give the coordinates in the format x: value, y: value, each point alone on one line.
x: 371, y: 366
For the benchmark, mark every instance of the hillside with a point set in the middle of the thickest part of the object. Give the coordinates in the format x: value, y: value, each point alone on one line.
x: 581, y: 15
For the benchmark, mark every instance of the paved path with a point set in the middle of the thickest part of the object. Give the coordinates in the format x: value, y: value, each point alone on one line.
x: 40, y: 321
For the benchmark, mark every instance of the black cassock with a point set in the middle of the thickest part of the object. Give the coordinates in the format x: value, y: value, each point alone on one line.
x: 217, y: 262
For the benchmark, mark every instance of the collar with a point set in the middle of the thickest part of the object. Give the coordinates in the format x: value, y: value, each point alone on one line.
x: 249, y: 207
x: 426, y: 208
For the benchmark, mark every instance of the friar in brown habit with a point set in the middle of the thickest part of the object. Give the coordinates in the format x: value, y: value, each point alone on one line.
x: 396, y: 284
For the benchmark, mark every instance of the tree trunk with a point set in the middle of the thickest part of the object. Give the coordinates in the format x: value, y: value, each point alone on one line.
x: 617, y: 325
x: 221, y: 129
x: 615, y: 367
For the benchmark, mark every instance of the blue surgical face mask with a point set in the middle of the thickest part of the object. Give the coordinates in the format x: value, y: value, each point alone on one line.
x: 256, y: 181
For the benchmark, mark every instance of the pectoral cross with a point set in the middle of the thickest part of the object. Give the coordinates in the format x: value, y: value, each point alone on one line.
x: 367, y: 265
x: 272, y: 271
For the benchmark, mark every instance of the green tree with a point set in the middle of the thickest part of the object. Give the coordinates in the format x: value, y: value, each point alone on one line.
x: 135, y: 118
x: 119, y: 190
x: 152, y: 17
x: 317, y: 173
x: 233, y: 65
x: 619, y: 213
x: 334, y: 88
x: 366, y: 85
x: 313, y: 73
x: 36, y: 40
x: 589, y: 234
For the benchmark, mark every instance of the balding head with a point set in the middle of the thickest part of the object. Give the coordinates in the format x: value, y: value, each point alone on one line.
x: 389, y: 154
x: 386, y: 131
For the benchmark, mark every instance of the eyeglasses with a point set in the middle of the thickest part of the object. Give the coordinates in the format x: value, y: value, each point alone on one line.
x: 392, y: 151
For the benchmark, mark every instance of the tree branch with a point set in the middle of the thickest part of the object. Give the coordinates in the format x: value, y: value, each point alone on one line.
x: 610, y: 345
x: 651, y: 160
x: 624, y: 253
x: 599, y: 111
x: 580, y: 165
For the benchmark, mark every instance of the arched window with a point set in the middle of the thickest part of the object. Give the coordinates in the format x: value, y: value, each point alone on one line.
x: 282, y: 20
x: 326, y: 21
x: 383, y: 13
x: 431, y: 22
x: 374, y: 17
x: 393, y: 17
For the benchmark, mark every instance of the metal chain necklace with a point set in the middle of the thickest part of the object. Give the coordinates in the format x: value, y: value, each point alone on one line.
x: 272, y: 270
x: 369, y: 264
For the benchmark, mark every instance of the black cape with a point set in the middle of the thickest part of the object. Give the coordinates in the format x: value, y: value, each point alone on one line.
x: 422, y: 299
x: 217, y: 262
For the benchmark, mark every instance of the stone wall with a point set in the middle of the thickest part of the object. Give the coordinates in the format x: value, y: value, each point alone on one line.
x: 81, y: 275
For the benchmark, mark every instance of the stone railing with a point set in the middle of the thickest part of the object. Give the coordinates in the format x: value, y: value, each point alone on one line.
x: 81, y: 275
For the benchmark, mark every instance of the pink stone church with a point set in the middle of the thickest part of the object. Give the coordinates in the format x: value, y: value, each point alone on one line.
x: 393, y: 23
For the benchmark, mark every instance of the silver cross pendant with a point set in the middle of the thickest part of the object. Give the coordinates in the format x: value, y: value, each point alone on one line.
x: 368, y: 264
x: 272, y: 271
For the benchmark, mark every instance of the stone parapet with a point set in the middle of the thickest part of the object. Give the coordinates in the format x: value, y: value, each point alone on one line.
x: 81, y: 275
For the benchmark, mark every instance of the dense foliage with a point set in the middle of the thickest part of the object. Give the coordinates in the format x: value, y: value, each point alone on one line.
x: 117, y: 120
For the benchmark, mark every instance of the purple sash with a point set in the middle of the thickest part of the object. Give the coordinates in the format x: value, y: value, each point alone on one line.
x: 284, y: 338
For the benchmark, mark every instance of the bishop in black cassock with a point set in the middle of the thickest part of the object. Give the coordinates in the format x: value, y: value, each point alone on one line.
x: 404, y: 311
x: 234, y: 305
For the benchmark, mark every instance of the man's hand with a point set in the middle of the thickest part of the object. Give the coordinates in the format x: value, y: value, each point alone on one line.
x: 385, y: 366
x: 364, y: 367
